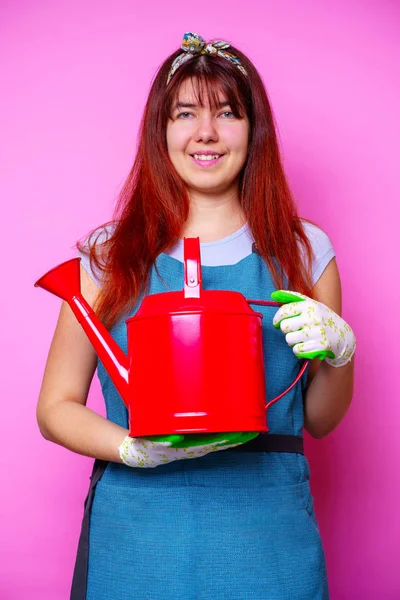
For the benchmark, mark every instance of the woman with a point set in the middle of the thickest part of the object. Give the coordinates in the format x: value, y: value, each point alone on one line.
x: 232, y: 523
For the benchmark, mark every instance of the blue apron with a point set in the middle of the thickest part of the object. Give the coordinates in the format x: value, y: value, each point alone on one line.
x: 230, y: 525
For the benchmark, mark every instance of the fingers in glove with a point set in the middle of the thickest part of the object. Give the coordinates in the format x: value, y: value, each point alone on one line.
x: 292, y: 324
x: 295, y: 337
x: 321, y: 354
x: 239, y: 437
x: 311, y: 349
x: 172, y: 439
x: 285, y: 296
x: 194, y: 440
x: 287, y: 311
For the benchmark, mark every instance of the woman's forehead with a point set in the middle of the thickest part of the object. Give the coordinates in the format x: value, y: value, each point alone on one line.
x: 195, y: 91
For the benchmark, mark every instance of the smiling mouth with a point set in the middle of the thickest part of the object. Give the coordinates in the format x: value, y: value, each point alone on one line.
x: 206, y: 160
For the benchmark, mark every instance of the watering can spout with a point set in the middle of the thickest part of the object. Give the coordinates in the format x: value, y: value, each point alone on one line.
x: 64, y: 281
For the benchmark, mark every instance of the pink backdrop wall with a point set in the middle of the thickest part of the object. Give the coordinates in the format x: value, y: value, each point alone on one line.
x: 74, y: 79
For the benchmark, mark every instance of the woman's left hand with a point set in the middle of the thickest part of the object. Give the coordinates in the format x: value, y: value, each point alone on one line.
x: 313, y: 330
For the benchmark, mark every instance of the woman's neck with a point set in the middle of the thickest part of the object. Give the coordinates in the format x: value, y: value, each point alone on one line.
x: 213, y: 218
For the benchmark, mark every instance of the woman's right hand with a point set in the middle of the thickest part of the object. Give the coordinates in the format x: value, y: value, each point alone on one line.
x: 161, y: 450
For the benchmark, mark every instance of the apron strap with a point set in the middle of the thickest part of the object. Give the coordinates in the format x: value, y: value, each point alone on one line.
x: 79, y: 581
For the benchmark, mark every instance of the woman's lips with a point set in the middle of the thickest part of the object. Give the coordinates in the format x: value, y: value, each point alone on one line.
x: 207, y: 163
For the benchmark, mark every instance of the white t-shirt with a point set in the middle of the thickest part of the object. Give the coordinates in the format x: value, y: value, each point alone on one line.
x: 230, y: 250
x: 233, y: 248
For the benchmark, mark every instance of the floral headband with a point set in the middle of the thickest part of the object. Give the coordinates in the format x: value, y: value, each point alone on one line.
x: 193, y: 44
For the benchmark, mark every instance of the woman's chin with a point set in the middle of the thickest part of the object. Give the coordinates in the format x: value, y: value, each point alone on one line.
x: 202, y: 186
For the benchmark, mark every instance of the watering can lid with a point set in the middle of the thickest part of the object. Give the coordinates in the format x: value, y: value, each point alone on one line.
x: 193, y: 297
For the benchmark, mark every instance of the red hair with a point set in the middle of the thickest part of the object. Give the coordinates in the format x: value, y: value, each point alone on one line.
x: 153, y: 204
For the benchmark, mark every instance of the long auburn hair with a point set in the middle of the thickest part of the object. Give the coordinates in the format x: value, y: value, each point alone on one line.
x: 153, y: 204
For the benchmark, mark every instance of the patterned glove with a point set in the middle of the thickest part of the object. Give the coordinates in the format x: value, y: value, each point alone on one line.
x: 160, y: 450
x: 313, y: 330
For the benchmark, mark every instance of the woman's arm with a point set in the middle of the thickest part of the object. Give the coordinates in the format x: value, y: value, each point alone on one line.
x: 329, y: 389
x: 62, y: 414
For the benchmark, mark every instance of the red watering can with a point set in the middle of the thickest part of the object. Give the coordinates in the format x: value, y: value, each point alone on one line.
x: 195, y: 358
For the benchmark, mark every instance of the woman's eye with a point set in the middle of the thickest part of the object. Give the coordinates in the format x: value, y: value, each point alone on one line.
x: 184, y: 115
x: 227, y: 114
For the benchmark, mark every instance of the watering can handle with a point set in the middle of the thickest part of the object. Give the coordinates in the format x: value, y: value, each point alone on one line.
x: 303, y: 367
x: 192, y: 267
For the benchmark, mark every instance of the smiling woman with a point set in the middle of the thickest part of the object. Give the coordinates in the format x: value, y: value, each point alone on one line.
x: 236, y: 518
x: 170, y: 196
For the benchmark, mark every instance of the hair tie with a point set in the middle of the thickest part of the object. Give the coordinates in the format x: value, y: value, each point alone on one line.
x: 193, y: 44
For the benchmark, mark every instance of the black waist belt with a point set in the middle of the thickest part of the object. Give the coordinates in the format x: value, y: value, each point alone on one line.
x: 272, y: 442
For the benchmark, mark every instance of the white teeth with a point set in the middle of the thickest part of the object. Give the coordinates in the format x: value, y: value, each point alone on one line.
x: 205, y: 156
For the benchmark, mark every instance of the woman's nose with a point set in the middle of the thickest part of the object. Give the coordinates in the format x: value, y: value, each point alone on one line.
x: 206, y: 130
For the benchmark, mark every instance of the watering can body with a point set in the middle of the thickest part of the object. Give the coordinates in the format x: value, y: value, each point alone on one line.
x: 195, y: 357
x: 196, y: 364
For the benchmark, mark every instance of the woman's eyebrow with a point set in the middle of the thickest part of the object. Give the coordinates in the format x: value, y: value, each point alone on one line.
x: 180, y: 105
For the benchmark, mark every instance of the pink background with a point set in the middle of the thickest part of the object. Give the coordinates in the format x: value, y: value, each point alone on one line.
x: 75, y: 76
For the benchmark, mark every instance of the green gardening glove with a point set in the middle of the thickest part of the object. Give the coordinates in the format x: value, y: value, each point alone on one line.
x: 313, y: 330
x: 199, y: 439
x: 160, y: 450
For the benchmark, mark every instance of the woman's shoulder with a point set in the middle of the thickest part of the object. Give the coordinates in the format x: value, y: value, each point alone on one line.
x: 315, y: 233
x: 100, y: 235
x: 96, y: 237
x: 322, y: 248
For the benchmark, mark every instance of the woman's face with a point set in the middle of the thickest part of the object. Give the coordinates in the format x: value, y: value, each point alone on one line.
x: 208, y: 147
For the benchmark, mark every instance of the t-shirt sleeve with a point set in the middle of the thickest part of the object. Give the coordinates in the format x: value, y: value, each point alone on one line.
x: 322, y: 248
x: 100, y: 235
